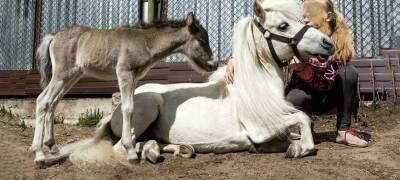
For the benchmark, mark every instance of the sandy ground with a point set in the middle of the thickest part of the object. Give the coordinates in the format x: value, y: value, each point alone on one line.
x: 381, y: 160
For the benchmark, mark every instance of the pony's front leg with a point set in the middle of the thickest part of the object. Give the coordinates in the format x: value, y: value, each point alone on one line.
x: 305, y: 146
x: 127, y: 84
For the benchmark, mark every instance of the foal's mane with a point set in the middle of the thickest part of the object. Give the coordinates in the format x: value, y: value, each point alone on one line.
x: 158, y: 24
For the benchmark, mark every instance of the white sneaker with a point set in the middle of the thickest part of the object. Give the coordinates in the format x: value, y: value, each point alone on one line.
x: 351, y: 137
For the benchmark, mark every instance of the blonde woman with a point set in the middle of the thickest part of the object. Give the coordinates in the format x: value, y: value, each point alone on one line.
x: 317, y: 87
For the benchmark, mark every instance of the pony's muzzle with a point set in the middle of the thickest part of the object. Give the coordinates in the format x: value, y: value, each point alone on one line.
x: 327, y: 44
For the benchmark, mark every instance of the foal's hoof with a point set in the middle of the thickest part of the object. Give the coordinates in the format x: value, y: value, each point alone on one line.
x: 40, y: 164
x: 133, y: 159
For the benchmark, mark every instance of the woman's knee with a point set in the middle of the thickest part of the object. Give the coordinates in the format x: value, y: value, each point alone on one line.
x: 298, y: 98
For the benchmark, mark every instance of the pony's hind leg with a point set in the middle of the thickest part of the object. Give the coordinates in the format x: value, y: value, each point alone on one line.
x: 179, y: 150
x: 127, y: 83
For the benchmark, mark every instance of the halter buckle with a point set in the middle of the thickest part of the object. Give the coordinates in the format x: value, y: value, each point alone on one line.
x: 294, y: 41
x: 267, y: 34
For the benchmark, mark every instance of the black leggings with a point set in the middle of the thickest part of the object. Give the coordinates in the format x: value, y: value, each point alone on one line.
x: 342, y: 96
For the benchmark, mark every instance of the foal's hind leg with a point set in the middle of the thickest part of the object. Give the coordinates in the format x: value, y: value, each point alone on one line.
x: 45, y: 106
x: 127, y: 83
x: 39, y: 126
x: 55, y: 97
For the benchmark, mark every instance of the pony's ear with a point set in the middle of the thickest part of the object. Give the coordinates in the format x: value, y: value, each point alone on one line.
x: 258, y: 10
x: 191, y: 23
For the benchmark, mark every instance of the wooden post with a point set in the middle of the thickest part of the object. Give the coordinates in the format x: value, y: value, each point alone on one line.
x: 394, y: 85
x: 164, y: 10
x: 398, y: 60
x: 36, y: 31
x: 373, y: 81
x: 358, y: 88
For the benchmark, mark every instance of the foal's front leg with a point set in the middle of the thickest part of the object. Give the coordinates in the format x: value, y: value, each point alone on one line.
x: 127, y: 84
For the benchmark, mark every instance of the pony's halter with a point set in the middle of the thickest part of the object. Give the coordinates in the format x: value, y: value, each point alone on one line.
x: 293, y: 42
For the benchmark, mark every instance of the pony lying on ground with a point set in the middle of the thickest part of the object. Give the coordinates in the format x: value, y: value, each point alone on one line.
x: 215, y: 117
x: 126, y: 54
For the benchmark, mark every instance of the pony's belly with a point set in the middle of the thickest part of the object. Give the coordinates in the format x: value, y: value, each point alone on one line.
x: 199, y: 120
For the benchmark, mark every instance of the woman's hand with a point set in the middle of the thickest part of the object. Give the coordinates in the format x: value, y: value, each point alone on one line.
x: 296, y: 64
x: 229, y: 71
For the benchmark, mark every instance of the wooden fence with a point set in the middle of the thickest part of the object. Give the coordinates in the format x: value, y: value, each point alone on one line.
x: 376, y: 75
x: 26, y: 83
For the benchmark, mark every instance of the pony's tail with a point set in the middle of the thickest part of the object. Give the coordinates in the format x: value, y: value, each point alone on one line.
x: 43, y: 61
x: 88, y: 151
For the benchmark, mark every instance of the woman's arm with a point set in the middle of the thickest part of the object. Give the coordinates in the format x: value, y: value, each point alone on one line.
x: 304, y: 71
x: 230, y: 71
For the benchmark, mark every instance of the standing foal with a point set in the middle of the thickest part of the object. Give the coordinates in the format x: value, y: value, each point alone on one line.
x: 125, y: 54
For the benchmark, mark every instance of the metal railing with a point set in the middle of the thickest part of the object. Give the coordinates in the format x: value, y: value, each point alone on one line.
x: 374, y: 24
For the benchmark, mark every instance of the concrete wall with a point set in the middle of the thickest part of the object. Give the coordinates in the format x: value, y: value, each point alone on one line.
x: 70, y: 109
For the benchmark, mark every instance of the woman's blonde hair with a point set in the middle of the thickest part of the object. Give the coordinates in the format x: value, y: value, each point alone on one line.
x: 338, y: 31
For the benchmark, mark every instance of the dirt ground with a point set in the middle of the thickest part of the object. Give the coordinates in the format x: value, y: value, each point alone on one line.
x: 381, y: 160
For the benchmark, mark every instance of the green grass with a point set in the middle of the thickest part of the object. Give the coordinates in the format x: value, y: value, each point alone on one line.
x: 59, y: 120
x: 4, y: 111
x: 90, y: 118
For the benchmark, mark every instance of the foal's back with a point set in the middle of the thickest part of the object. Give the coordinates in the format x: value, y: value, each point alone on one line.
x: 96, y: 51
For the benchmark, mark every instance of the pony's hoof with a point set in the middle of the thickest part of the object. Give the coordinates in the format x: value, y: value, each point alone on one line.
x: 134, y: 161
x: 293, y: 151
x: 151, y: 151
x: 185, y: 151
x: 40, y: 164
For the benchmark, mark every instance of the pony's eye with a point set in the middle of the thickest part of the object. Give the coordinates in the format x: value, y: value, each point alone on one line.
x: 283, y: 27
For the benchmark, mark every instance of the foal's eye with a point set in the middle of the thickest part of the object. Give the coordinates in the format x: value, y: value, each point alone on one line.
x: 283, y: 27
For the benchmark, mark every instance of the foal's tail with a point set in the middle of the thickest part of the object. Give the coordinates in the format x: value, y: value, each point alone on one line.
x: 43, y: 61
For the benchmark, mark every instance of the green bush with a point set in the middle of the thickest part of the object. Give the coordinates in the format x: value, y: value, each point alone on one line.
x: 90, y: 118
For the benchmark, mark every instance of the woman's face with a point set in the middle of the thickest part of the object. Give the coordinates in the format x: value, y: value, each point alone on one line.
x: 307, y: 21
x: 316, y: 15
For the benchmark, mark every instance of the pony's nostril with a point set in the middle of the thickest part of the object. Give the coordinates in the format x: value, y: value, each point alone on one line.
x: 327, y: 43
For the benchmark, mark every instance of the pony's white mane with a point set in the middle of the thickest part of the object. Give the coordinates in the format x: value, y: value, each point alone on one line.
x: 258, y: 88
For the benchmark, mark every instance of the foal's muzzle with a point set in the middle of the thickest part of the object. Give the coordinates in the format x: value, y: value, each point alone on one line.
x: 212, y: 65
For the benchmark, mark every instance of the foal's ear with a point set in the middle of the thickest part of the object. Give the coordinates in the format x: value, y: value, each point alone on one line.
x: 189, y: 19
x: 191, y: 23
x: 258, y: 10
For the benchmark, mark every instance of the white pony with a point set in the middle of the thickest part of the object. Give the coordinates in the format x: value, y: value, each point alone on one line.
x: 216, y: 117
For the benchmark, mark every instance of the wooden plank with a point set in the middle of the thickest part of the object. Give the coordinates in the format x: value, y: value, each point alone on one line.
x: 386, y: 77
x: 377, y: 70
x: 367, y: 62
x: 180, y: 67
